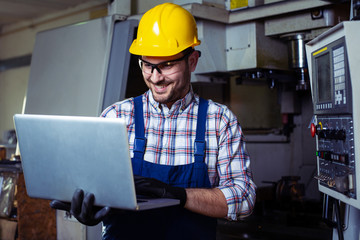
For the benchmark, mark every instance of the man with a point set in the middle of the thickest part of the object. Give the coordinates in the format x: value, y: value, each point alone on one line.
x: 182, y: 146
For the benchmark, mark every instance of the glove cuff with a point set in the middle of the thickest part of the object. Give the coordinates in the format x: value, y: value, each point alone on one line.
x: 179, y: 193
x: 184, y: 197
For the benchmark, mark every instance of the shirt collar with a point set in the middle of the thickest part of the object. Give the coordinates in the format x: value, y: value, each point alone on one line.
x: 179, y: 104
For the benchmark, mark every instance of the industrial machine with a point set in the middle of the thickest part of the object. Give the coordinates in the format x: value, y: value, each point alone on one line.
x: 334, y: 76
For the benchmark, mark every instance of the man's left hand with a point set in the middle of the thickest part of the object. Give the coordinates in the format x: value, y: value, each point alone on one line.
x: 155, y: 188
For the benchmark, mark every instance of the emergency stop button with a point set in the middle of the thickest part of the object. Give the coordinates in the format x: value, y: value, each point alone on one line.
x: 313, y: 130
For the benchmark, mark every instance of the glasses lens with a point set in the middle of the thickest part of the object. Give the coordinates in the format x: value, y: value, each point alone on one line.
x: 146, y: 67
x: 168, y: 68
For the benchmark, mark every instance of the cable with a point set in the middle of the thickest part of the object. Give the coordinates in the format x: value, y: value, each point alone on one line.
x: 338, y: 220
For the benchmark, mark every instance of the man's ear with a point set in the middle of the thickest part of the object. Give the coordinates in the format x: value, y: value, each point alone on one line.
x: 193, y: 60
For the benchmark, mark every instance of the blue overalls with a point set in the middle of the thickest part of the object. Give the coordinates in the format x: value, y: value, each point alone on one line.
x: 169, y: 222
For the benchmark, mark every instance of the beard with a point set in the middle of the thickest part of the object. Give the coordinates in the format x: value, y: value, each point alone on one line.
x: 169, y: 90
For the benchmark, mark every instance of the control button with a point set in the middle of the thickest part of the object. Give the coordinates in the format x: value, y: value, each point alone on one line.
x: 313, y: 130
x: 338, y: 97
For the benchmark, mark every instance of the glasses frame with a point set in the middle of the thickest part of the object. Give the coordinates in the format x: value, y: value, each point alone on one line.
x: 165, y: 63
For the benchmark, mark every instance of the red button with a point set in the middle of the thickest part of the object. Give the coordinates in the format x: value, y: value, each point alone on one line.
x: 313, y: 130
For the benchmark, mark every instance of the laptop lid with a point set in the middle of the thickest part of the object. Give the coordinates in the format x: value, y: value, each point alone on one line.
x: 62, y: 153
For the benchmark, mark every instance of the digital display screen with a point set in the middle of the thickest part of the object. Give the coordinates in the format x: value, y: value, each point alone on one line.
x: 322, y: 64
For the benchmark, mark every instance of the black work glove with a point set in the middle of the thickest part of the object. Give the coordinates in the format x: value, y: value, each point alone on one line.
x: 155, y: 188
x: 82, y: 208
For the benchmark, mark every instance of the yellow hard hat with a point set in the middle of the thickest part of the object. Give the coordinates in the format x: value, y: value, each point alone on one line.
x: 165, y: 30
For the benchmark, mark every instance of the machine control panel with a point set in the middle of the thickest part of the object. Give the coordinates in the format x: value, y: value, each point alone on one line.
x: 333, y: 59
x: 335, y: 153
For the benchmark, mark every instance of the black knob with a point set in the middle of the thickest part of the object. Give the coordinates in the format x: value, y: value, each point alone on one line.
x: 321, y: 133
x: 340, y: 134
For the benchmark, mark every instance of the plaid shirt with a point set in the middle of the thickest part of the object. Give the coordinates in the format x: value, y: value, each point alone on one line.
x: 170, y: 137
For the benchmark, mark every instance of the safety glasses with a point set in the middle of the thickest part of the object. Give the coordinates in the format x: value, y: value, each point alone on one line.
x: 164, y: 68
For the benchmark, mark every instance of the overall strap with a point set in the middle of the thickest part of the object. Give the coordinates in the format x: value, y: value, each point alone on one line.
x: 140, y: 140
x: 200, y: 131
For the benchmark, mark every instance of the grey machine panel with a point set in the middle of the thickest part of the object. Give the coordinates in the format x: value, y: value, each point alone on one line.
x: 80, y: 69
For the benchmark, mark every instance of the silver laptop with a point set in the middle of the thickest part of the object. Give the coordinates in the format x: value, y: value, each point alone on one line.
x: 62, y: 153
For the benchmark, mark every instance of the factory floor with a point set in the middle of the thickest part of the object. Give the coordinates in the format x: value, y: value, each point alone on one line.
x: 278, y: 221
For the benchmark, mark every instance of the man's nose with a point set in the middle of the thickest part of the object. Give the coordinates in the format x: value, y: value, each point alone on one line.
x: 156, y: 76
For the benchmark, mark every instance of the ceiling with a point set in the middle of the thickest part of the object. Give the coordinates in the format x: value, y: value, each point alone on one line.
x: 12, y: 11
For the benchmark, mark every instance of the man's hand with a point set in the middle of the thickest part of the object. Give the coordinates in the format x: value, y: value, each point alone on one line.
x: 82, y: 208
x: 155, y: 188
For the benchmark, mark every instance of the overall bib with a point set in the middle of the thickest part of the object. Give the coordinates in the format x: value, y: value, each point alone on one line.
x: 169, y: 222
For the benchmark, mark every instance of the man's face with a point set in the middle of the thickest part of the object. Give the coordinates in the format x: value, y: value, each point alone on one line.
x: 173, y: 82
